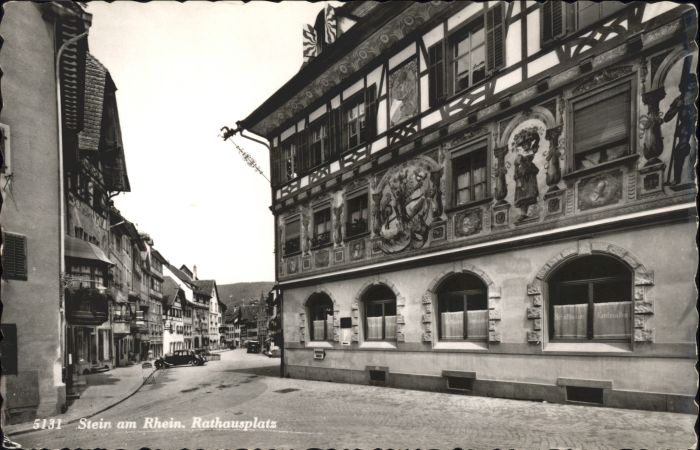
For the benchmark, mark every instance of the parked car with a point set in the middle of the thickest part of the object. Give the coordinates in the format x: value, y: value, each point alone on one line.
x: 253, y: 347
x: 180, y: 357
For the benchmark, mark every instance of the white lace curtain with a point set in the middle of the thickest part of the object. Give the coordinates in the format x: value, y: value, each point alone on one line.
x: 611, y: 320
x: 323, y: 328
x: 374, y: 327
x: 452, y: 325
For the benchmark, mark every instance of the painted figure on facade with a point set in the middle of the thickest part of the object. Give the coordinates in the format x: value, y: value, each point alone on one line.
x: 403, y: 88
x: 306, y: 238
x: 408, y: 203
x: 526, y: 143
x: 338, y: 217
x: 683, y: 109
x: 500, y: 189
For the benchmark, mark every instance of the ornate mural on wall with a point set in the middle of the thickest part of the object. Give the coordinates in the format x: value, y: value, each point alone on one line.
x: 403, y: 92
x: 667, y: 130
x: 600, y: 190
x: 468, y: 222
x: 337, y: 208
x: 527, y: 165
x: 409, y: 200
x: 525, y: 144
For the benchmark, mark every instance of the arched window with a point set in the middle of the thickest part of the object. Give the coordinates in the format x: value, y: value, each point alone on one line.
x: 463, y: 311
x: 320, y: 317
x: 380, y: 313
x: 590, y: 298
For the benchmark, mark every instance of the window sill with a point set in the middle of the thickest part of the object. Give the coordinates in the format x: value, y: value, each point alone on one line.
x: 320, y: 246
x: 629, y: 159
x: 319, y: 344
x: 356, y: 236
x: 379, y: 345
x: 588, y: 347
x: 287, y: 255
x: 469, y: 204
x: 460, y: 345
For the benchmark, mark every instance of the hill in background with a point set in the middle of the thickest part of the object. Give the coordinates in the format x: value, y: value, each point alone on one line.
x: 236, y: 293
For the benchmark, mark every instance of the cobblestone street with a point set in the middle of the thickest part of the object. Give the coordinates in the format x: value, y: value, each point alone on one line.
x: 309, y: 413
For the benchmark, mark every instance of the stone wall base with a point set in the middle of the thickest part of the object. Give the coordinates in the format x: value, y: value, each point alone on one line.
x: 501, y: 389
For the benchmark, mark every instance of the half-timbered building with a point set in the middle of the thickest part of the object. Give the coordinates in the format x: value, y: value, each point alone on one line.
x: 491, y: 197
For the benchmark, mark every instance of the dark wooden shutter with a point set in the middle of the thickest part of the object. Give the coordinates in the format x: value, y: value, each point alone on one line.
x: 495, y: 39
x: 602, y: 119
x: 14, y: 257
x: 552, y: 20
x: 436, y: 76
x: 334, y: 132
x: 371, y: 112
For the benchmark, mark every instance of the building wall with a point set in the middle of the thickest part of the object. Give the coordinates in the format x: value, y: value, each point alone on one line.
x: 652, y: 375
x: 31, y: 209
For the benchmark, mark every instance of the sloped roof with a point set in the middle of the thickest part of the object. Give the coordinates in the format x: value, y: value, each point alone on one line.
x: 170, y: 291
x: 205, y: 286
x: 180, y: 274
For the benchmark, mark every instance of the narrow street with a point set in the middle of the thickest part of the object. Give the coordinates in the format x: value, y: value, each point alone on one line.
x: 243, y: 387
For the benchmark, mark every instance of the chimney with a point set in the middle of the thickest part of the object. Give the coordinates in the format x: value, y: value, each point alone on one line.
x: 194, y: 271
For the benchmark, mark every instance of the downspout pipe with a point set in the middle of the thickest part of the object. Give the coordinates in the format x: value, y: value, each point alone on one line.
x: 61, y: 194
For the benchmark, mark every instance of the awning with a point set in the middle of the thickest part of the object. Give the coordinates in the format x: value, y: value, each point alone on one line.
x: 78, y: 248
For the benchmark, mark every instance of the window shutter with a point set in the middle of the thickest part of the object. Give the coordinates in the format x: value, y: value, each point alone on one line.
x: 334, y: 132
x: 436, y: 55
x: 602, y: 119
x: 343, y: 129
x: 371, y: 112
x: 495, y: 51
x: 14, y: 257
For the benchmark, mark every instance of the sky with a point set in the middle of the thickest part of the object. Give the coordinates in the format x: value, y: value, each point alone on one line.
x: 184, y: 70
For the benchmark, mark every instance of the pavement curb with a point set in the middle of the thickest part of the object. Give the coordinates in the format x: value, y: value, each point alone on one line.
x: 112, y: 405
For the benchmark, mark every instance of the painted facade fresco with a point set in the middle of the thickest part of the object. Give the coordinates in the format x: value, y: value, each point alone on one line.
x: 530, y: 163
x: 403, y: 93
x: 406, y: 201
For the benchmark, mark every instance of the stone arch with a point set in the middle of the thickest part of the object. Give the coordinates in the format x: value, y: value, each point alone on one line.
x: 430, y: 298
x: 336, y: 314
x: 535, y: 112
x: 668, y: 62
x: 400, y: 304
x: 643, y: 280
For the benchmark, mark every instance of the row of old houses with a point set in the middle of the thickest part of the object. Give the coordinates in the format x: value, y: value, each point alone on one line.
x: 82, y: 288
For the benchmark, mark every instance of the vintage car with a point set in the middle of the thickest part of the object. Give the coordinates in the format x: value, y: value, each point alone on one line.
x: 253, y: 347
x: 180, y: 357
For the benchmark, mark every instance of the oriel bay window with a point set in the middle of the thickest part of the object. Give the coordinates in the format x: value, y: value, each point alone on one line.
x: 380, y: 313
x: 601, y: 124
x: 357, y: 215
x: 590, y: 299
x: 321, y: 317
x: 322, y: 227
x: 463, y: 308
x: 292, y: 240
x: 469, y: 178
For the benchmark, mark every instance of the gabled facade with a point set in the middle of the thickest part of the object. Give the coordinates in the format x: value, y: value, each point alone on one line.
x: 489, y: 197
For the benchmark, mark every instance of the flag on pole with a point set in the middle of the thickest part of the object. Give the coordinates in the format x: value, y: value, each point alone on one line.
x: 310, y: 44
x: 331, y: 24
